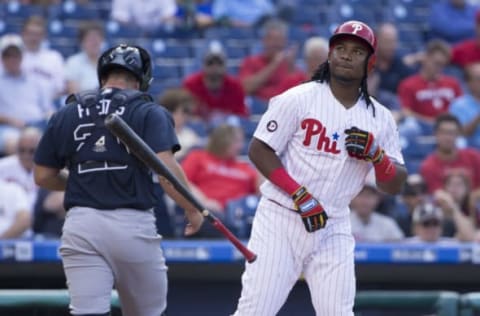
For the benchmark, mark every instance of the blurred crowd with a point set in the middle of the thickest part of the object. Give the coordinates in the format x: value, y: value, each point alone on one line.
x: 216, y: 65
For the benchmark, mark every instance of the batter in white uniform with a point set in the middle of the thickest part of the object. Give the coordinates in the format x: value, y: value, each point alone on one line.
x: 315, y: 144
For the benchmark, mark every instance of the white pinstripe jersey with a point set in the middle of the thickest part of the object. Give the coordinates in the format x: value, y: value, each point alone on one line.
x: 305, y: 126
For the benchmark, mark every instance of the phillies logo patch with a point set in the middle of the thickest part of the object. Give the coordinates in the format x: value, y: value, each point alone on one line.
x: 356, y: 27
x: 314, y: 130
x: 272, y: 126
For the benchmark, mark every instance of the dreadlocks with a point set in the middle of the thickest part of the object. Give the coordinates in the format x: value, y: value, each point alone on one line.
x: 322, y: 74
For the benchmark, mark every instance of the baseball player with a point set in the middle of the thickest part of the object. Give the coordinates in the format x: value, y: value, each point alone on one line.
x: 315, y: 144
x: 109, y: 236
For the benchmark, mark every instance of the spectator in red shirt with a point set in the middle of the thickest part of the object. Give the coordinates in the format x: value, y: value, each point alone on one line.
x: 448, y: 156
x: 468, y: 51
x: 428, y: 93
x: 215, y: 173
x: 216, y: 92
x: 273, y: 70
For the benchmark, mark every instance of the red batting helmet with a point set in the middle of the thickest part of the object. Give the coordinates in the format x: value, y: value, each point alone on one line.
x: 358, y: 30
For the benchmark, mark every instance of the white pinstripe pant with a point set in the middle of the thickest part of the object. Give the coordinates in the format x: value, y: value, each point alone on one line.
x: 286, y: 250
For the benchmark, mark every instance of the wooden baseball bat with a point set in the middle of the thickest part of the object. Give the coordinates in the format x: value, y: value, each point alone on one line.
x: 118, y: 127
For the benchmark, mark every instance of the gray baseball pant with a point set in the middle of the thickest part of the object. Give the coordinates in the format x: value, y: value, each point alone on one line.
x: 119, y: 249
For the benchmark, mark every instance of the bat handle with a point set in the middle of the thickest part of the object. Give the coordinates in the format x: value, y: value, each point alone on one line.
x: 249, y: 255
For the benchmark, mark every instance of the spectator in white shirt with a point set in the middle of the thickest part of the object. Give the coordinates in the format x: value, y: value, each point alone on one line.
x: 22, y: 98
x: 368, y: 225
x: 149, y: 15
x: 81, y: 68
x: 15, y: 218
x: 47, y: 64
x: 18, y: 168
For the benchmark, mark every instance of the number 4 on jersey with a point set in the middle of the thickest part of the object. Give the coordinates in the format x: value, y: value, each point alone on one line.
x: 99, y: 146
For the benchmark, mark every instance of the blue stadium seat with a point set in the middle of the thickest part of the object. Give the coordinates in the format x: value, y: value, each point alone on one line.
x: 412, y: 4
x: 248, y: 126
x: 310, y: 17
x: 199, y: 127
x: 239, y: 215
x: 418, y: 147
x: 58, y: 29
x: 6, y: 28
x: 168, y: 49
x: 410, y: 34
x: 75, y: 12
x: 178, y: 51
x: 229, y: 33
x: 232, y: 69
x: 166, y: 72
x: 159, y: 86
x: 299, y: 34
x: 413, y: 165
x: 65, y: 47
x: 256, y: 106
x: 236, y: 50
x: 17, y: 12
x: 115, y: 31
x: 354, y: 11
x: 405, y: 12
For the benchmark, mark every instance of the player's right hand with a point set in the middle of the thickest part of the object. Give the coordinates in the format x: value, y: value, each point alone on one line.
x: 195, y: 221
x: 313, y: 215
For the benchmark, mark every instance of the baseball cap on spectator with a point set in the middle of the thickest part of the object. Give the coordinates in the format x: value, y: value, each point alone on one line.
x: 427, y: 212
x: 9, y: 41
x: 215, y: 53
x: 414, y: 185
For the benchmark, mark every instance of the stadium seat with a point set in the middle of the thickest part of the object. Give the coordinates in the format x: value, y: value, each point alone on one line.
x: 308, y: 18
x: 177, y: 51
x: 158, y: 86
x: 169, y: 49
x: 65, y: 48
x: 415, y: 150
x: 58, y: 29
x: 256, y: 106
x: 16, y: 12
x: 115, y: 30
x: 71, y: 11
x: 6, y: 28
x: 239, y: 214
x: 412, y: 4
x: 344, y: 11
x: 298, y: 34
x: 248, y: 126
x: 236, y: 50
x: 232, y: 69
x: 166, y: 72
x: 229, y: 33
x: 405, y: 12
x: 199, y: 127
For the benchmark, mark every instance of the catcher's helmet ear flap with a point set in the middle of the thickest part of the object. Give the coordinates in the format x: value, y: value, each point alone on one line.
x: 361, y: 31
x: 132, y: 58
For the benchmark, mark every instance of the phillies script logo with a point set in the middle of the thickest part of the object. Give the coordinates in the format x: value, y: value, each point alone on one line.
x: 314, y: 128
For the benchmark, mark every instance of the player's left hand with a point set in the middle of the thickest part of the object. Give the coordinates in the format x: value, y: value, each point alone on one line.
x: 362, y: 145
x: 195, y: 221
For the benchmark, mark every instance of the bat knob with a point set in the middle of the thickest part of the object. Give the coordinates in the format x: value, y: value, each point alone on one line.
x: 252, y: 259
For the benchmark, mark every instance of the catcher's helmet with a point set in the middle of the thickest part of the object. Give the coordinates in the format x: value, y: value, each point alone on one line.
x: 361, y: 31
x: 132, y: 58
